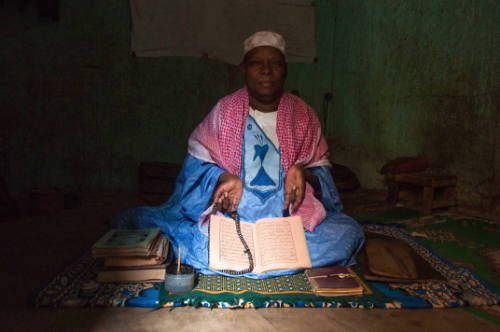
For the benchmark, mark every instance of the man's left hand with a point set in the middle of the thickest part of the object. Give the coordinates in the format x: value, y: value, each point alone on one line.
x: 295, y: 187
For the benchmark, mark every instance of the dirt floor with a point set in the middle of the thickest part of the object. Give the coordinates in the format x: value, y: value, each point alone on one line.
x: 33, y: 248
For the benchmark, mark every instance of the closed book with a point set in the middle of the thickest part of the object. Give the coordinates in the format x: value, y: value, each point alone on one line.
x: 334, y: 281
x: 126, y: 242
x: 160, y: 252
x: 132, y: 274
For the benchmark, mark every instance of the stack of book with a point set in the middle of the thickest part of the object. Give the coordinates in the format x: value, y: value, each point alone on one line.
x: 132, y: 255
x: 334, y: 281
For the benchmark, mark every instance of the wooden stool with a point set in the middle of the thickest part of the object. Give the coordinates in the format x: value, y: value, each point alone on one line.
x: 437, y: 191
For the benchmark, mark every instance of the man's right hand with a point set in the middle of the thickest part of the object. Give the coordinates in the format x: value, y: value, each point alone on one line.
x: 227, y: 192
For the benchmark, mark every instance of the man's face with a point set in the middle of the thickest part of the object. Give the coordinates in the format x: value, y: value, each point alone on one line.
x: 264, y: 70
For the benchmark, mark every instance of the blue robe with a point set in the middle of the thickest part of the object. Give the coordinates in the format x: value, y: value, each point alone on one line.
x: 336, y: 240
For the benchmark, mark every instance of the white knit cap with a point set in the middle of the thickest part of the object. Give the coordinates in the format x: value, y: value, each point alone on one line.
x: 264, y: 38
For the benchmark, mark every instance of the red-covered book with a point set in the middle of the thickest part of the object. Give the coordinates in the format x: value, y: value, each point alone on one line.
x: 334, y: 281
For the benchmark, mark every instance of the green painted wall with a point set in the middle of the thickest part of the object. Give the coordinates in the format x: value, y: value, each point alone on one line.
x: 82, y: 113
x: 408, y: 78
x: 420, y: 78
x: 79, y: 112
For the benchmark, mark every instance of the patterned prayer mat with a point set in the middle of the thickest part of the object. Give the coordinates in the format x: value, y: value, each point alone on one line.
x: 464, y: 240
x: 76, y: 285
x: 278, y: 292
x: 463, y: 286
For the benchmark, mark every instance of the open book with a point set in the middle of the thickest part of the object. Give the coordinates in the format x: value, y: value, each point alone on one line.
x: 275, y: 244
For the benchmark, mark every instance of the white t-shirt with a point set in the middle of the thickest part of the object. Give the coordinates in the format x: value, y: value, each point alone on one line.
x: 267, y: 122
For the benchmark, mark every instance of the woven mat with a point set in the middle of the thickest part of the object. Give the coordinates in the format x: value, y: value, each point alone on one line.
x: 278, y: 292
x: 463, y: 240
x: 76, y: 286
x: 463, y: 285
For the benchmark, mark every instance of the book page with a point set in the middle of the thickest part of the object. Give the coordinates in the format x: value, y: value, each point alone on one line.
x: 226, y: 250
x: 281, y: 244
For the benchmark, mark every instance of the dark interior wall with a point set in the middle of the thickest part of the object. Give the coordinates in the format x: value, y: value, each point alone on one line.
x: 420, y: 78
x: 80, y: 113
x: 408, y: 78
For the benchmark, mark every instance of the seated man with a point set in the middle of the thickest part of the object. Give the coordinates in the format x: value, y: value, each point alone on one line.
x: 259, y: 152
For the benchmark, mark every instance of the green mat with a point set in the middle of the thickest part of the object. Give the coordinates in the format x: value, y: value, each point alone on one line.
x: 454, y: 245
x: 216, y: 291
x: 465, y: 241
x: 462, y: 287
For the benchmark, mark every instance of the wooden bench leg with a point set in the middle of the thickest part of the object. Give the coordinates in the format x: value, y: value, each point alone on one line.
x: 427, y: 198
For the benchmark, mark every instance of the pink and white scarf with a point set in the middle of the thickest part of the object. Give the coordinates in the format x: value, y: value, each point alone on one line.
x: 219, y: 137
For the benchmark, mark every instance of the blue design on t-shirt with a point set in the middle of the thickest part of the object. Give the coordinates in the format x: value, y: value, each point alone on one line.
x: 262, y: 178
x: 260, y: 151
x: 261, y: 162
